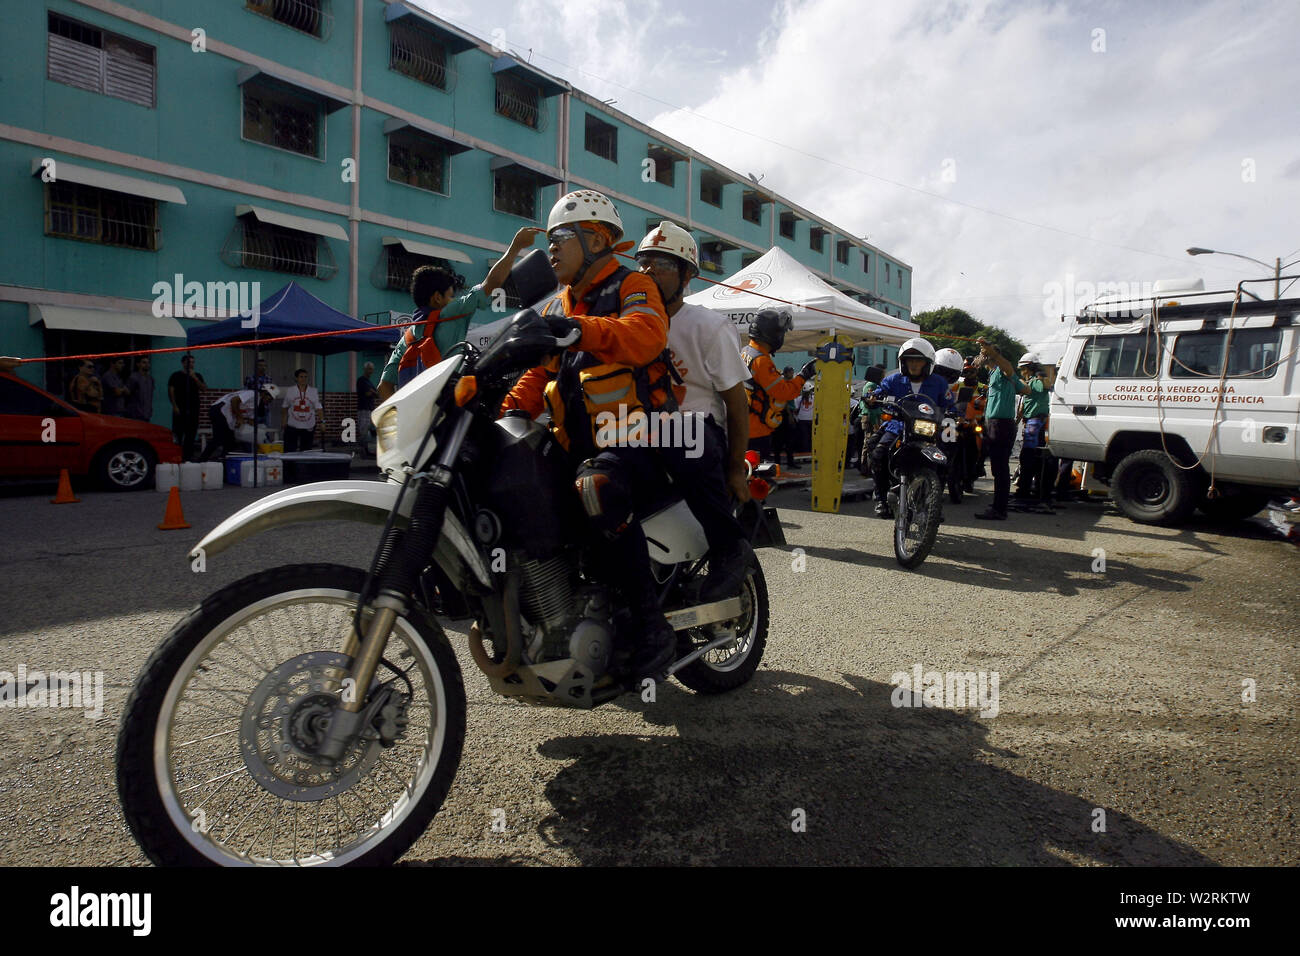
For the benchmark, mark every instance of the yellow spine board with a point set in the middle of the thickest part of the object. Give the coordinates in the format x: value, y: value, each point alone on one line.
x: 830, y: 430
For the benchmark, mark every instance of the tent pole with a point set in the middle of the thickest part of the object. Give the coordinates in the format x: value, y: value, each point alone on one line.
x: 257, y: 391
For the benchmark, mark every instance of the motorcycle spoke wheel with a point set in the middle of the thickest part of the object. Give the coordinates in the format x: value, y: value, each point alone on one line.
x: 916, y: 523
x: 733, y: 663
x: 238, y: 700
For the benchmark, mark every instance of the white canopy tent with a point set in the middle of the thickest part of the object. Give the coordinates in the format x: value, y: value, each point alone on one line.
x: 819, y: 310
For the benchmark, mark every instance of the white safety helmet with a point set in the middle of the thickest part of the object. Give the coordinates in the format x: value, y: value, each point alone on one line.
x: 585, y: 205
x: 1029, y: 359
x: 916, y: 347
x: 949, y: 363
x: 673, y: 240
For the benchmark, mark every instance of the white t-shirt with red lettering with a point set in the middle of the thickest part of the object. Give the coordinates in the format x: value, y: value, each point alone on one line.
x: 706, y: 354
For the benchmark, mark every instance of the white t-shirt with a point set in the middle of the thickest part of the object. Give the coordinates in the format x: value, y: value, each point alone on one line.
x: 706, y: 354
x: 805, y: 411
x: 246, y: 406
x: 302, y: 406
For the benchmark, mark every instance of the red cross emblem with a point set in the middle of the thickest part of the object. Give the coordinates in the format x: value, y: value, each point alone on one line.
x: 748, y: 283
x: 659, y: 239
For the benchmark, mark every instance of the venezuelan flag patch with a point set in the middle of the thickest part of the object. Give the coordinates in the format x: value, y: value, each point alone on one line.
x: 635, y: 298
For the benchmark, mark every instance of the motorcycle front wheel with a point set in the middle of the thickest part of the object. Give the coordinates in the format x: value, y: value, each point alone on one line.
x: 215, y: 760
x: 916, y: 522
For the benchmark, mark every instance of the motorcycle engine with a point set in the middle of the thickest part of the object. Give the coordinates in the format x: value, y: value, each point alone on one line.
x: 566, y: 621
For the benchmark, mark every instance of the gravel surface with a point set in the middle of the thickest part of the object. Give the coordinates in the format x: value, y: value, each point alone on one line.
x: 1120, y: 699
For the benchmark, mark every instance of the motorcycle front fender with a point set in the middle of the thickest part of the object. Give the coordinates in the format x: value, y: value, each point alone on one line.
x: 915, y: 455
x: 369, y: 502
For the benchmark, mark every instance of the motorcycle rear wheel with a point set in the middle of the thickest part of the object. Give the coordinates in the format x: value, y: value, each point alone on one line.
x: 208, y: 687
x: 730, y: 665
x: 916, y: 522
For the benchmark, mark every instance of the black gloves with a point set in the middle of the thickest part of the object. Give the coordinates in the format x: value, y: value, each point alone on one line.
x: 562, y: 327
x: 809, y: 370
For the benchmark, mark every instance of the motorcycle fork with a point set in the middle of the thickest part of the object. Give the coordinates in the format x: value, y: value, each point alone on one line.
x: 397, y: 583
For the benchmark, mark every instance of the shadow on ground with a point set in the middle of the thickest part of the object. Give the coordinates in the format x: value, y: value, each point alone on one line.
x: 876, y: 784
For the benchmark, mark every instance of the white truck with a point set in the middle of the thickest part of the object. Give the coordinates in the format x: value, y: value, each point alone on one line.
x: 1186, y: 399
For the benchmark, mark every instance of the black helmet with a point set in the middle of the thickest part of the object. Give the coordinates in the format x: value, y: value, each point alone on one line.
x: 769, y: 327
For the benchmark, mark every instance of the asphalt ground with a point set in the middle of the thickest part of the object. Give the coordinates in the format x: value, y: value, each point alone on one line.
x: 1121, y: 734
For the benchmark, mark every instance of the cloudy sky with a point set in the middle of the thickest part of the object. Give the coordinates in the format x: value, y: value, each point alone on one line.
x: 1011, y: 153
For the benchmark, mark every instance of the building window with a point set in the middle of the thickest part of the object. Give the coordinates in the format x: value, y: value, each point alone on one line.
x: 74, y: 211
x: 602, y: 138
x: 842, y: 252
x: 417, y: 161
x: 259, y: 245
x: 748, y: 260
x: 279, y: 118
x: 417, y: 54
x: 664, y: 165
x: 886, y: 272
x: 751, y: 208
x: 397, y: 265
x: 866, y: 262
x: 711, y: 188
x: 99, y: 61
x: 816, y: 237
x: 900, y: 278
x: 309, y: 16
x: 514, y: 191
x: 519, y: 100
x: 787, y: 225
x: 711, y: 257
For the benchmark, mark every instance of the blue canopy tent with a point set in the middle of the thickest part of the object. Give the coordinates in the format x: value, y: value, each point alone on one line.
x: 294, y: 311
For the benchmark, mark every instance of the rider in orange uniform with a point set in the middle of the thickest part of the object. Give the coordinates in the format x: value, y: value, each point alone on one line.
x: 623, y: 331
x: 768, y: 389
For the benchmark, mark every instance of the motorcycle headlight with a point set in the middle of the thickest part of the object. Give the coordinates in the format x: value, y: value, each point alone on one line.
x: 924, y: 428
x: 386, y: 431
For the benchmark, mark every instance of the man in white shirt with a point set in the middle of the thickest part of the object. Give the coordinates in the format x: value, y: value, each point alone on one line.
x: 706, y: 354
x: 229, y: 412
x: 298, y: 417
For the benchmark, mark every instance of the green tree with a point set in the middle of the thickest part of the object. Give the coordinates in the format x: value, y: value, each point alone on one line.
x: 950, y: 327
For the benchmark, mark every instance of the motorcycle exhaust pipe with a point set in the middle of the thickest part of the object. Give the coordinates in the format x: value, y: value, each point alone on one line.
x: 514, y: 638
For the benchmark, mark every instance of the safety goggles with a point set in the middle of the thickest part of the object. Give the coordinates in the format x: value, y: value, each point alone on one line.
x: 561, y: 234
x: 656, y: 261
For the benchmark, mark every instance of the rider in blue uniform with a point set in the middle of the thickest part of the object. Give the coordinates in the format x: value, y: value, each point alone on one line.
x: 915, y: 376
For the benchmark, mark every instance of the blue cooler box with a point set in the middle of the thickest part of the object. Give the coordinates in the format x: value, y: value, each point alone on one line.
x: 232, y: 463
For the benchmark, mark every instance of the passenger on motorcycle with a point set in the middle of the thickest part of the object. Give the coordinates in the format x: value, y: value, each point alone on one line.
x: 623, y: 330
x: 915, y: 376
x: 768, y: 389
x: 704, y: 354
x: 441, y: 317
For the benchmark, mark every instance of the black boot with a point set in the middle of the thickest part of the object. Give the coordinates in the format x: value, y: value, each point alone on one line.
x: 656, y: 645
x: 727, y: 572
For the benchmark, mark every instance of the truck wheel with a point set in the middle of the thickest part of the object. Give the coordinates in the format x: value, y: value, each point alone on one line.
x: 1235, y: 506
x: 1150, y: 488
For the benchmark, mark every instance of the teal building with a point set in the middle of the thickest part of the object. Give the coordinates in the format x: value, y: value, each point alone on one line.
x: 152, y: 147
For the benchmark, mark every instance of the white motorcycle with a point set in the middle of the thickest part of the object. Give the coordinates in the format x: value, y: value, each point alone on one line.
x: 315, y: 714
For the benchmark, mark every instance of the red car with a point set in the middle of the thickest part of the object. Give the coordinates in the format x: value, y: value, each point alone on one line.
x: 40, y: 434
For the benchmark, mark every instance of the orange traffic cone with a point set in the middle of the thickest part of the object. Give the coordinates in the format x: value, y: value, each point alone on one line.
x: 64, y: 495
x: 174, y: 519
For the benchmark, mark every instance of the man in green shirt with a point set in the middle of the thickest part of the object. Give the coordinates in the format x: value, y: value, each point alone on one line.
x: 441, y: 318
x: 1000, y: 433
x: 1034, y: 460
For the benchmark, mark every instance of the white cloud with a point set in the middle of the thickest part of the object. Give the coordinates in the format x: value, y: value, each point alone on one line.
x: 1140, y: 147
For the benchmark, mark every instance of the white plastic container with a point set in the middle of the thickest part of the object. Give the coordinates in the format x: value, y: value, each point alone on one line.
x: 213, y: 475
x: 166, y: 475
x: 191, y: 476
x: 270, y: 472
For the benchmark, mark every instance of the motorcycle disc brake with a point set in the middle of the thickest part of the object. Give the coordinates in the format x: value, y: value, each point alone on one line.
x: 284, y: 722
